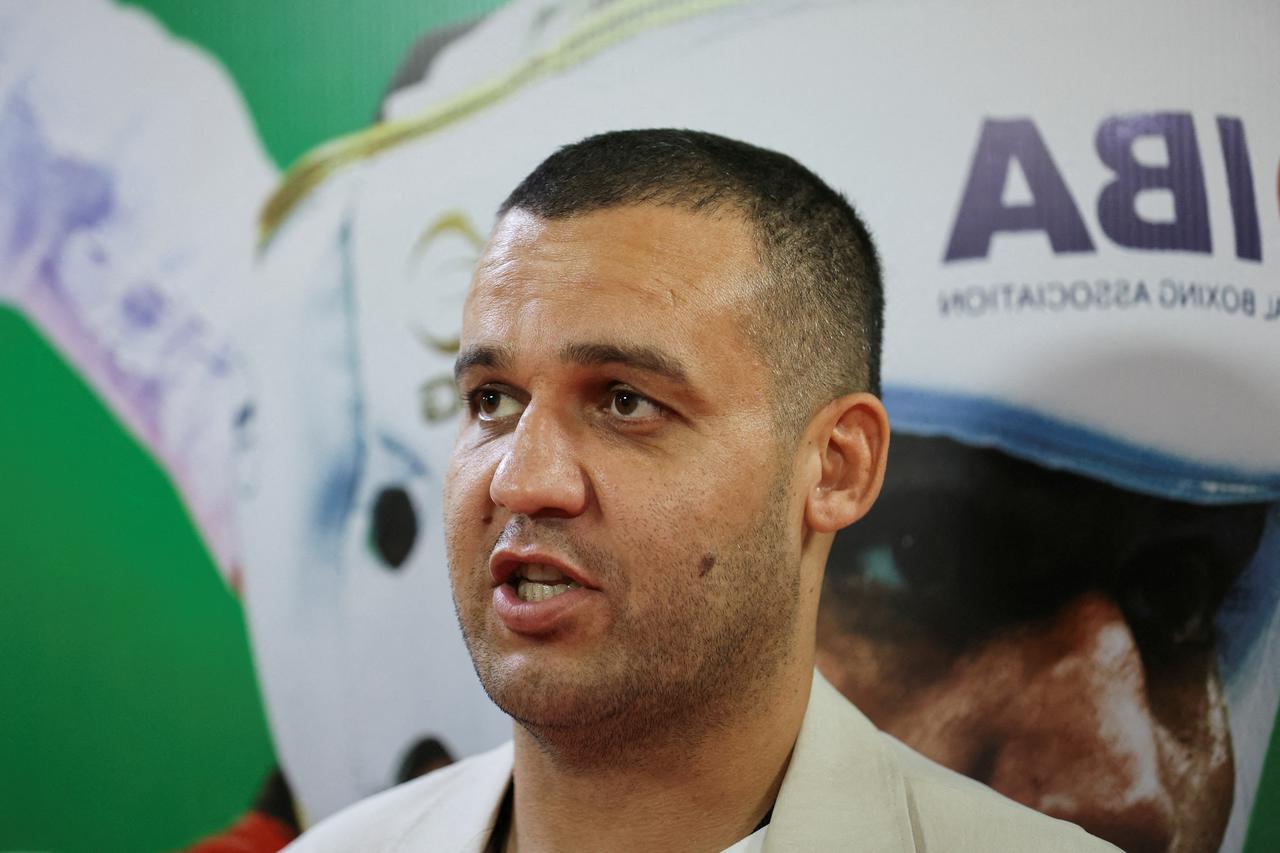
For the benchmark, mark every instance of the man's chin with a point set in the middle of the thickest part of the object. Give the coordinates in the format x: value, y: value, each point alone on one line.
x: 552, y: 695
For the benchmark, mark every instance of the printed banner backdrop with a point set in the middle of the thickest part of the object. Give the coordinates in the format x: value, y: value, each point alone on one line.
x: 1069, y: 590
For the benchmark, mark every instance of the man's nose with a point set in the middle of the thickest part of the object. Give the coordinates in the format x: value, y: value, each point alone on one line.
x: 539, y: 474
x: 1080, y: 741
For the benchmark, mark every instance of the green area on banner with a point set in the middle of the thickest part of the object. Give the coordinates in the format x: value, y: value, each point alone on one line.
x: 1264, y: 829
x: 132, y: 718
x: 311, y: 70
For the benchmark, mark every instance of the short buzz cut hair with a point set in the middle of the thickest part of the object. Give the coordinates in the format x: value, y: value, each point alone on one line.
x: 821, y: 302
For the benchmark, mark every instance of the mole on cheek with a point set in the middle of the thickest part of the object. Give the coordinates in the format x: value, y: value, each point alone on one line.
x: 706, y: 565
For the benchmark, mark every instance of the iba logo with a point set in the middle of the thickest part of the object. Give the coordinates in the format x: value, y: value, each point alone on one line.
x: 983, y: 211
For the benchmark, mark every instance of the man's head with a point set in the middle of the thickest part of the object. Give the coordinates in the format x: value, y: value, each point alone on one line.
x: 629, y: 539
x: 819, y: 306
x: 1048, y: 634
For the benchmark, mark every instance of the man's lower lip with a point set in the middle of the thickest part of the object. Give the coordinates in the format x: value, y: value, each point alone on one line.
x: 536, y: 617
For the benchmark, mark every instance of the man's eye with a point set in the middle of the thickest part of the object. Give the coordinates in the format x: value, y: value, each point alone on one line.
x: 1171, y: 597
x: 629, y: 405
x: 490, y: 404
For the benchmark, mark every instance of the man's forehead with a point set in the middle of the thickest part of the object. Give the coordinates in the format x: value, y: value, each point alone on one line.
x: 659, y: 289
x: 652, y: 253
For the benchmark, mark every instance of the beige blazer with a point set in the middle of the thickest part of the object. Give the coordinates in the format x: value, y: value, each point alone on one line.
x: 849, y: 787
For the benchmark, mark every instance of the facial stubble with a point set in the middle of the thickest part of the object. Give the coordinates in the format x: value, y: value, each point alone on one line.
x: 702, y: 648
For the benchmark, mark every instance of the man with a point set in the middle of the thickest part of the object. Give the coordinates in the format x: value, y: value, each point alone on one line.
x: 1020, y: 624
x: 669, y: 358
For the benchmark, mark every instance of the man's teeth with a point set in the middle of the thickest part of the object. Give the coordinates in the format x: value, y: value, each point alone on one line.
x: 538, y: 582
x: 534, y: 591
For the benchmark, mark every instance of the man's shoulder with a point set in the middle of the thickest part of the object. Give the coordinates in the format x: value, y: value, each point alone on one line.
x: 454, y: 806
x: 952, y: 812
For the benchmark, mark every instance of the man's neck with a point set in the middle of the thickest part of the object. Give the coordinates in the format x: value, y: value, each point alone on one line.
x: 682, y: 790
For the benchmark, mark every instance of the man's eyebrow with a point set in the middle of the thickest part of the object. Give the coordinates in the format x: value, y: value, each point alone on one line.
x: 483, y: 355
x: 639, y: 357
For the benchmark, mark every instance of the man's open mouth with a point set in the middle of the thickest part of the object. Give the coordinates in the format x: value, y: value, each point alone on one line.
x: 538, y: 582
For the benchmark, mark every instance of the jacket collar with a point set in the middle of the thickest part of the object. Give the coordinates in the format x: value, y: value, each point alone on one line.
x: 841, y: 786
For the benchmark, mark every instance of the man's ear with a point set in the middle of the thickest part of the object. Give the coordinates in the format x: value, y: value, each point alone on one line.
x: 852, y: 440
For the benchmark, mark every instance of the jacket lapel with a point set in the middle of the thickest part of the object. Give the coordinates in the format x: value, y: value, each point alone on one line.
x: 461, y: 819
x: 843, y: 790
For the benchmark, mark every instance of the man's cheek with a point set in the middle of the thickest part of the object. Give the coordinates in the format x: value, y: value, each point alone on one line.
x: 1194, y: 737
x: 466, y: 501
x: 1186, y: 697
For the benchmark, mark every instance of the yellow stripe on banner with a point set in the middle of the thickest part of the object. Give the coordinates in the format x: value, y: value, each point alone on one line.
x: 601, y: 31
